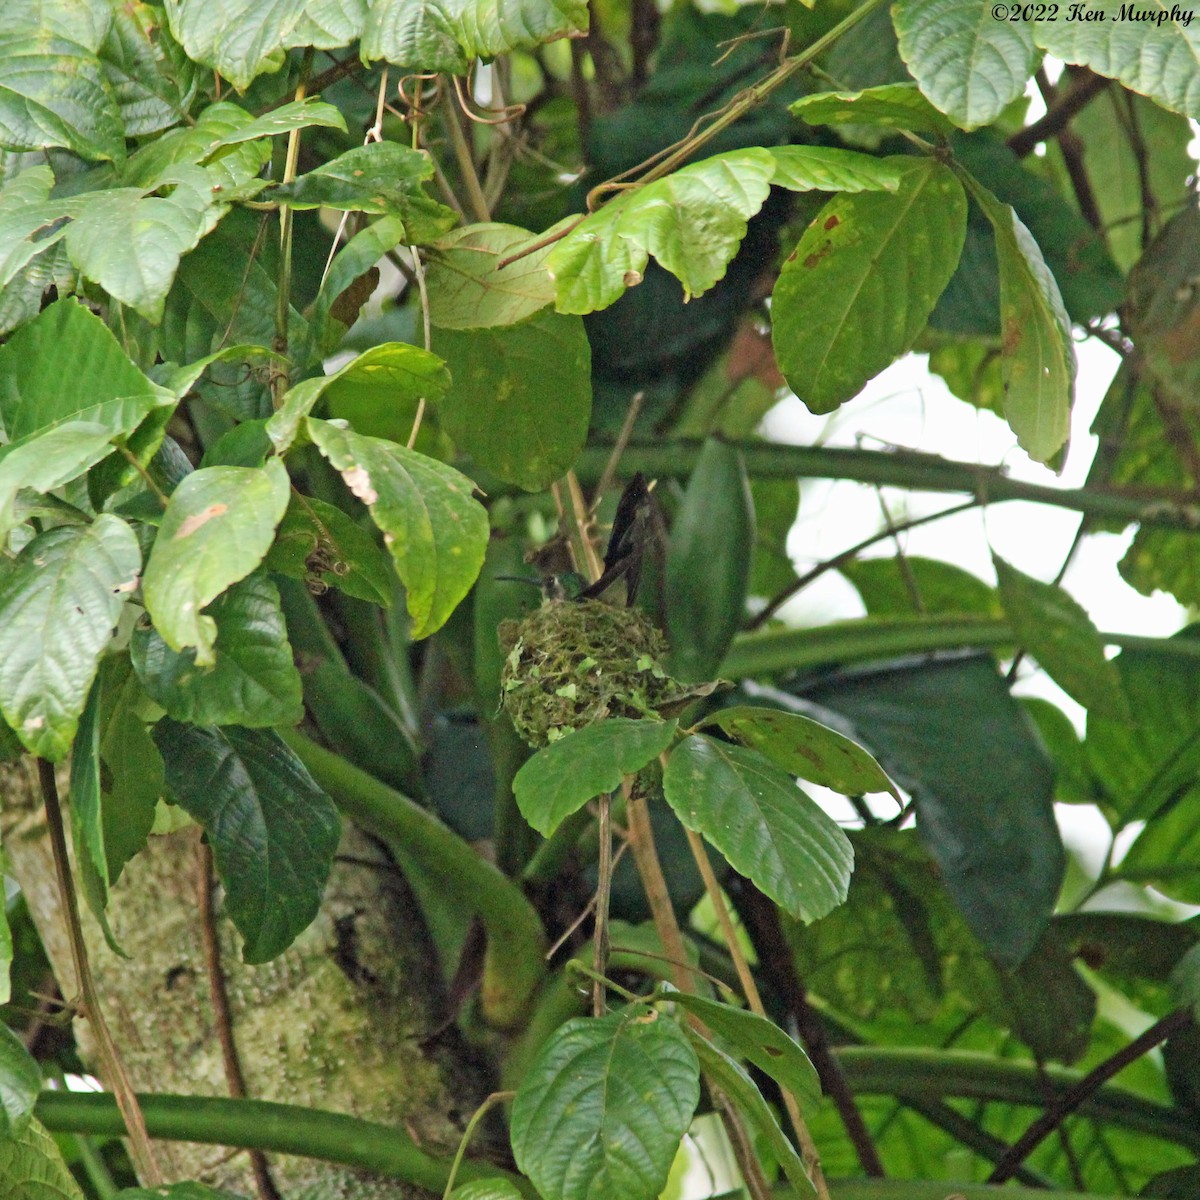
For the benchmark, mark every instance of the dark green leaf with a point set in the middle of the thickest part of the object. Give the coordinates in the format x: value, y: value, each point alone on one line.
x: 563, y: 776
x: 736, y: 1084
x: 218, y: 527
x: 887, y: 587
x: 20, y: 1082
x: 59, y: 605
x: 892, y: 105
x: 468, y: 289
x: 253, y: 681
x: 1057, y: 631
x: 948, y: 731
x: 602, y: 1110
x: 32, y: 1166
x: 1037, y: 357
x: 272, y: 830
x: 763, y: 824
x: 320, y: 544
x: 1185, y: 980
x: 522, y: 396
x: 763, y: 1043
x: 448, y: 36
x: 862, y: 281
x: 436, y: 531
x: 806, y: 748
x: 971, y: 65
x: 384, y: 178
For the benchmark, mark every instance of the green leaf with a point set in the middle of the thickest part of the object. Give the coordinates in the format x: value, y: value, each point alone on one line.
x: 1185, y: 980
x: 53, y: 93
x: 692, y: 221
x: 486, y: 1189
x: 604, y: 1107
x: 886, y: 587
x: 861, y: 283
x: 468, y: 289
x: 320, y: 544
x: 32, y: 1167
x: 273, y: 832
x: 948, y: 732
x: 150, y: 88
x: 763, y: 1043
x: 521, y: 398
x: 1153, y: 51
x: 830, y: 169
x: 806, y: 748
x: 969, y: 64
x: 1056, y: 630
x: 300, y: 114
x: 253, y: 682
x: 59, y: 605
x: 87, y: 815
x: 371, y: 384
x: 219, y: 525
x: 384, y: 178
x: 763, y: 824
x: 739, y: 1087
x: 27, y: 220
x: 177, y: 1191
x: 445, y: 36
x: 435, y: 530
x: 563, y: 776
x: 131, y: 243
x: 1037, y: 357
x: 20, y: 1082
x: 892, y: 105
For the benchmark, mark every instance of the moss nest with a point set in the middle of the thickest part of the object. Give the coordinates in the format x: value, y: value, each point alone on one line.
x: 571, y: 663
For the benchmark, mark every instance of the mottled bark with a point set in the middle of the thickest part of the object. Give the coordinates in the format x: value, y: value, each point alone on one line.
x: 335, y: 1022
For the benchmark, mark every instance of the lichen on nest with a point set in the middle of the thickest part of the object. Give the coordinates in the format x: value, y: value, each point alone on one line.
x: 570, y: 663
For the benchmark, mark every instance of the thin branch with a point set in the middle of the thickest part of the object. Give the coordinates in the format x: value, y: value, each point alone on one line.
x: 1067, y: 1102
x: 218, y: 995
x: 488, y: 1104
x: 466, y: 160
x: 113, y: 1065
x: 1059, y: 114
x: 603, y: 889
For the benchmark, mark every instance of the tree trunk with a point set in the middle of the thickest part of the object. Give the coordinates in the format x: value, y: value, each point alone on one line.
x: 335, y: 1022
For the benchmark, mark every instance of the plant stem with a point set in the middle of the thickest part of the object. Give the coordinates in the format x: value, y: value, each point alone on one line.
x: 603, y: 890
x: 488, y: 1104
x: 513, y: 965
x: 903, y: 469
x: 133, y: 1124
x: 278, y: 1128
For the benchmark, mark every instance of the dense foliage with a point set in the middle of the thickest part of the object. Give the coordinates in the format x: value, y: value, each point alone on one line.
x: 323, y: 320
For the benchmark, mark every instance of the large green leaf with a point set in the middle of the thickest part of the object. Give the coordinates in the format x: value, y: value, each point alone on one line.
x: 521, y: 398
x: 447, y: 34
x: 763, y: 824
x: 1151, y: 48
x: 1037, y: 357
x: 253, y: 682
x: 20, y: 1082
x: 59, y: 605
x: 384, y: 178
x: 218, y: 527
x: 970, y: 65
x: 806, y: 748
x: 892, y: 105
x: 915, y: 585
x: 563, y: 776
x: 762, y: 1042
x: 32, y: 1167
x: 602, y: 1110
x: 130, y: 243
x: 273, y: 832
x: 733, y: 1080
x: 435, y: 530
x: 300, y: 114
x: 27, y: 220
x: 1057, y: 631
x: 862, y: 281
x: 53, y: 93
x: 366, y: 388
x: 948, y: 731
x: 320, y: 544
x: 468, y: 289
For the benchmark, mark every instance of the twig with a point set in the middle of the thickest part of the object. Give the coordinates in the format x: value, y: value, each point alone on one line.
x: 1058, y: 114
x: 141, y: 1151
x: 218, y: 994
x: 419, y: 272
x: 488, y: 1104
x: 604, y: 870
x: 775, y: 958
x: 1066, y: 1103
x: 610, y: 467
x: 840, y: 559
x: 318, y: 83
x: 466, y: 161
